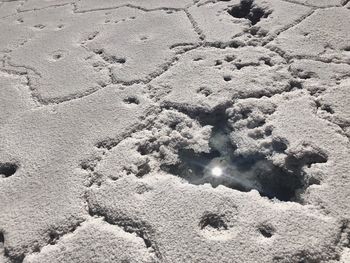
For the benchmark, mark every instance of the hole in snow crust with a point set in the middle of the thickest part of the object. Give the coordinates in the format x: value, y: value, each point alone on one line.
x: 248, y: 10
x: 221, y: 166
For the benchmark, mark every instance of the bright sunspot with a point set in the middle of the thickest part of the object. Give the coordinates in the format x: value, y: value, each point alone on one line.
x: 216, y: 171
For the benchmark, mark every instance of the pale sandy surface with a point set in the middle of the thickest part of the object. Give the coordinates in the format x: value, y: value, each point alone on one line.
x: 114, y: 112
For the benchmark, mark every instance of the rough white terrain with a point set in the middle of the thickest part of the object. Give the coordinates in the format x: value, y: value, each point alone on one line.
x: 175, y: 131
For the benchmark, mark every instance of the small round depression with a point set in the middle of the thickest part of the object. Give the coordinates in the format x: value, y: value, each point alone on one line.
x: 57, y: 55
x: 266, y: 231
x: 213, y: 221
x: 7, y: 169
x: 227, y: 78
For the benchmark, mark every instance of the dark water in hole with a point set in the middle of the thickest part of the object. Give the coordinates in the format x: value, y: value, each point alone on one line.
x: 240, y: 173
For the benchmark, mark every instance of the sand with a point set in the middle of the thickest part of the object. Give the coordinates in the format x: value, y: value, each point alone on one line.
x: 174, y: 131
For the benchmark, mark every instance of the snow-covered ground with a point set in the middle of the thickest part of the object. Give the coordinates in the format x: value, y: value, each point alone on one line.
x: 174, y: 131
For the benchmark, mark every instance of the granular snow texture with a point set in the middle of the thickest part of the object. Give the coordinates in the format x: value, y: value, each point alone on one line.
x: 174, y: 131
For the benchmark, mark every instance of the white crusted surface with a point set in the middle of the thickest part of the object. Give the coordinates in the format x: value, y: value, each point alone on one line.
x: 113, y: 113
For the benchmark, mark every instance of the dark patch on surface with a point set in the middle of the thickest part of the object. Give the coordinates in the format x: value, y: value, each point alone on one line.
x: 132, y: 100
x: 57, y: 56
x: 39, y: 26
x: 13, y: 257
x: 143, y: 169
x: 230, y: 58
x: 198, y: 59
x: 307, y: 158
x: 114, y: 59
x: 218, y: 62
x: 144, y: 149
x: 53, y: 238
x: 227, y: 78
x: 8, y: 169
x: 92, y: 35
x: 266, y: 231
x: 212, y: 220
x: 295, y: 84
x: 143, y: 38
x: 248, y: 10
x: 278, y: 146
x: 325, y: 107
x: 204, y: 91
